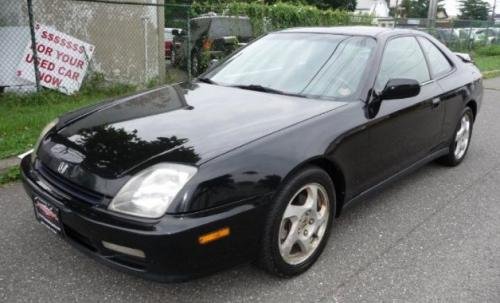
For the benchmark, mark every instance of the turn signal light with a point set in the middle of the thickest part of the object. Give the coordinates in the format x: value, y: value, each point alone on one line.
x: 215, y: 235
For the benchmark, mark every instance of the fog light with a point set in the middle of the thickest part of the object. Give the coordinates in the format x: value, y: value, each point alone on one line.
x: 215, y: 235
x: 124, y: 250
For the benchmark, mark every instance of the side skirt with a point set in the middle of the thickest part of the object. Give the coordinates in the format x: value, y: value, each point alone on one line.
x: 380, y: 186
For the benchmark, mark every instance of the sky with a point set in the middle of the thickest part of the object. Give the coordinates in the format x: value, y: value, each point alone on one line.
x: 452, y: 6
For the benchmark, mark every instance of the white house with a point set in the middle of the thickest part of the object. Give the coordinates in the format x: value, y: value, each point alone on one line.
x: 377, y: 8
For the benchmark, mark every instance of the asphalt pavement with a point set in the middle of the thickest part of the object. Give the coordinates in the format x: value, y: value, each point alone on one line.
x: 432, y: 236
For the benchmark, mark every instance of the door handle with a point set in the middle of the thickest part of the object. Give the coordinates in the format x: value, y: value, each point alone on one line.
x: 436, y: 101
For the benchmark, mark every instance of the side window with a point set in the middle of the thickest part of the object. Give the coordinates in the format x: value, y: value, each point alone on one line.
x: 402, y: 58
x: 437, y: 61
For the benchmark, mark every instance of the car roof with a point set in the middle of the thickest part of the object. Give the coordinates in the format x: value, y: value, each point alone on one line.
x: 372, y: 31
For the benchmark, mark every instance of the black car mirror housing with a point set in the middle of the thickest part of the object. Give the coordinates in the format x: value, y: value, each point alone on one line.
x: 400, y: 89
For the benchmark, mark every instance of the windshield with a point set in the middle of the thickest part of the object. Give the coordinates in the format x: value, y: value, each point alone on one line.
x: 314, y: 65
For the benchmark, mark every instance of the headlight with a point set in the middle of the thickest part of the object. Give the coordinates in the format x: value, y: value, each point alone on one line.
x: 45, y: 130
x: 149, y: 193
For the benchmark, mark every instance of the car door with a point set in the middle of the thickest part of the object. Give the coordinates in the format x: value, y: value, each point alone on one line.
x: 451, y: 82
x: 404, y: 130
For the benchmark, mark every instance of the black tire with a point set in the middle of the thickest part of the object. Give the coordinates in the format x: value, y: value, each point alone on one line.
x: 451, y: 159
x: 270, y: 258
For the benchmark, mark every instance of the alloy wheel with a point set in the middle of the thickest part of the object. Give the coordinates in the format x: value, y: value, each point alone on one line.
x: 462, y: 137
x: 304, y: 223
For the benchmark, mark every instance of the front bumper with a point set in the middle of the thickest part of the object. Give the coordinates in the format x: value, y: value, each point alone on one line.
x: 170, y: 244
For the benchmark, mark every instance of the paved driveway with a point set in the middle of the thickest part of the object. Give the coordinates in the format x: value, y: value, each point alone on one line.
x: 432, y: 236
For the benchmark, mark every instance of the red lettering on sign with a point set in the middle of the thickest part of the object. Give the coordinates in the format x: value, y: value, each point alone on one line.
x: 69, y: 59
x: 44, y: 49
x: 68, y: 73
x: 29, y: 58
x: 47, y: 78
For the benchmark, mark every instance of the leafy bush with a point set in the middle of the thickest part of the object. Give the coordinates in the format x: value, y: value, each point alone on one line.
x: 265, y: 18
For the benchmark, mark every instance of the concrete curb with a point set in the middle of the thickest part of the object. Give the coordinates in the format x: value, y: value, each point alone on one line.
x: 492, y: 83
x: 5, y: 164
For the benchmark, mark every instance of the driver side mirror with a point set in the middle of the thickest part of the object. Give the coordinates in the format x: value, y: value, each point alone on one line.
x: 400, y: 89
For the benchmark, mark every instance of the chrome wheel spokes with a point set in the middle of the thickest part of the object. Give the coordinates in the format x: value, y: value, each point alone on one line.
x: 304, y: 223
x: 462, y: 137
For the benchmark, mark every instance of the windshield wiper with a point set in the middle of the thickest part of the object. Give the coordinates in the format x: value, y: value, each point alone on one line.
x: 206, y: 80
x: 264, y: 89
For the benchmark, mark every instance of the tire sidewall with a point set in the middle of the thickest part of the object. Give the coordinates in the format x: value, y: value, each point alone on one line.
x: 297, y: 181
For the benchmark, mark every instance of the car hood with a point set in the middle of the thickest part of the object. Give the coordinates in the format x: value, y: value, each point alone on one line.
x: 188, y: 124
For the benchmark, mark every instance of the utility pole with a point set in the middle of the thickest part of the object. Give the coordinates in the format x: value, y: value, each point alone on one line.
x: 396, y: 13
x: 431, y: 14
x: 33, y: 44
x: 493, y: 14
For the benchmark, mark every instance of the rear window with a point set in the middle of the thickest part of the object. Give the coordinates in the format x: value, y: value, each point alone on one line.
x: 438, y: 62
x: 230, y: 26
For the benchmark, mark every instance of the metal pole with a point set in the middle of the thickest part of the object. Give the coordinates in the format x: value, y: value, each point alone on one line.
x: 431, y: 14
x: 146, y: 59
x: 396, y: 15
x: 493, y: 12
x: 188, y: 44
x: 33, y: 44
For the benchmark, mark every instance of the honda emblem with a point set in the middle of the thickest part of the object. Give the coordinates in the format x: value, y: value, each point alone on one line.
x: 62, y: 168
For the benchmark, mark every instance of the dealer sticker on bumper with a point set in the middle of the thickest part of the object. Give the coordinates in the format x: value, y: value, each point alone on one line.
x: 47, y: 214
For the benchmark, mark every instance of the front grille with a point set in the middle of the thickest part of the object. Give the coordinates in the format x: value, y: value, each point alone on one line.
x: 69, y: 188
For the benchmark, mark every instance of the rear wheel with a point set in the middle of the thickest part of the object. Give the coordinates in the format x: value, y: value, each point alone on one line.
x: 461, y: 139
x: 299, y: 223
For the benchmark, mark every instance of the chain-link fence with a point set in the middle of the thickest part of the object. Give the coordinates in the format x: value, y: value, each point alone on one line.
x: 60, y: 44
x: 458, y: 35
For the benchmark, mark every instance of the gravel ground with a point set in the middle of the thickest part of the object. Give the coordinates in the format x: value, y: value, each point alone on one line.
x: 432, y: 236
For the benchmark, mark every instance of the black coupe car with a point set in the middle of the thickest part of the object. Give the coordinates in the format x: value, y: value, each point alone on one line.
x: 256, y: 158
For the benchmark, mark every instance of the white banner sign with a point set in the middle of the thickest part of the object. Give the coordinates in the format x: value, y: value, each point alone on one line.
x: 62, y: 60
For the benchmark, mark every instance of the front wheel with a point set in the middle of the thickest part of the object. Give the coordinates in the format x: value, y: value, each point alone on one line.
x: 461, y: 139
x: 299, y: 223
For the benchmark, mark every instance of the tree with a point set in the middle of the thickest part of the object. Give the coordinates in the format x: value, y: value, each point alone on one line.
x: 474, y: 9
x: 349, y: 5
x: 417, y: 8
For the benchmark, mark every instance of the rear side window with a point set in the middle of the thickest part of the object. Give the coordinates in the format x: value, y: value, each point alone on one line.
x: 402, y: 58
x: 438, y: 63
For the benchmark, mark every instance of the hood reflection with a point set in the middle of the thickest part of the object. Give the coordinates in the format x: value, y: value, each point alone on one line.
x: 108, y: 142
x: 126, y: 147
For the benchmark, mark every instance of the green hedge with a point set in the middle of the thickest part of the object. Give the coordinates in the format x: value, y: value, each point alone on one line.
x: 281, y: 15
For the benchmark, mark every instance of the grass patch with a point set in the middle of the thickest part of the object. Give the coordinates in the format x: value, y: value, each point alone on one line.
x: 11, y: 175
x: 22, y: 116
x: 490, y: 50
x: 487, y: 63
x: 487, y: 59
